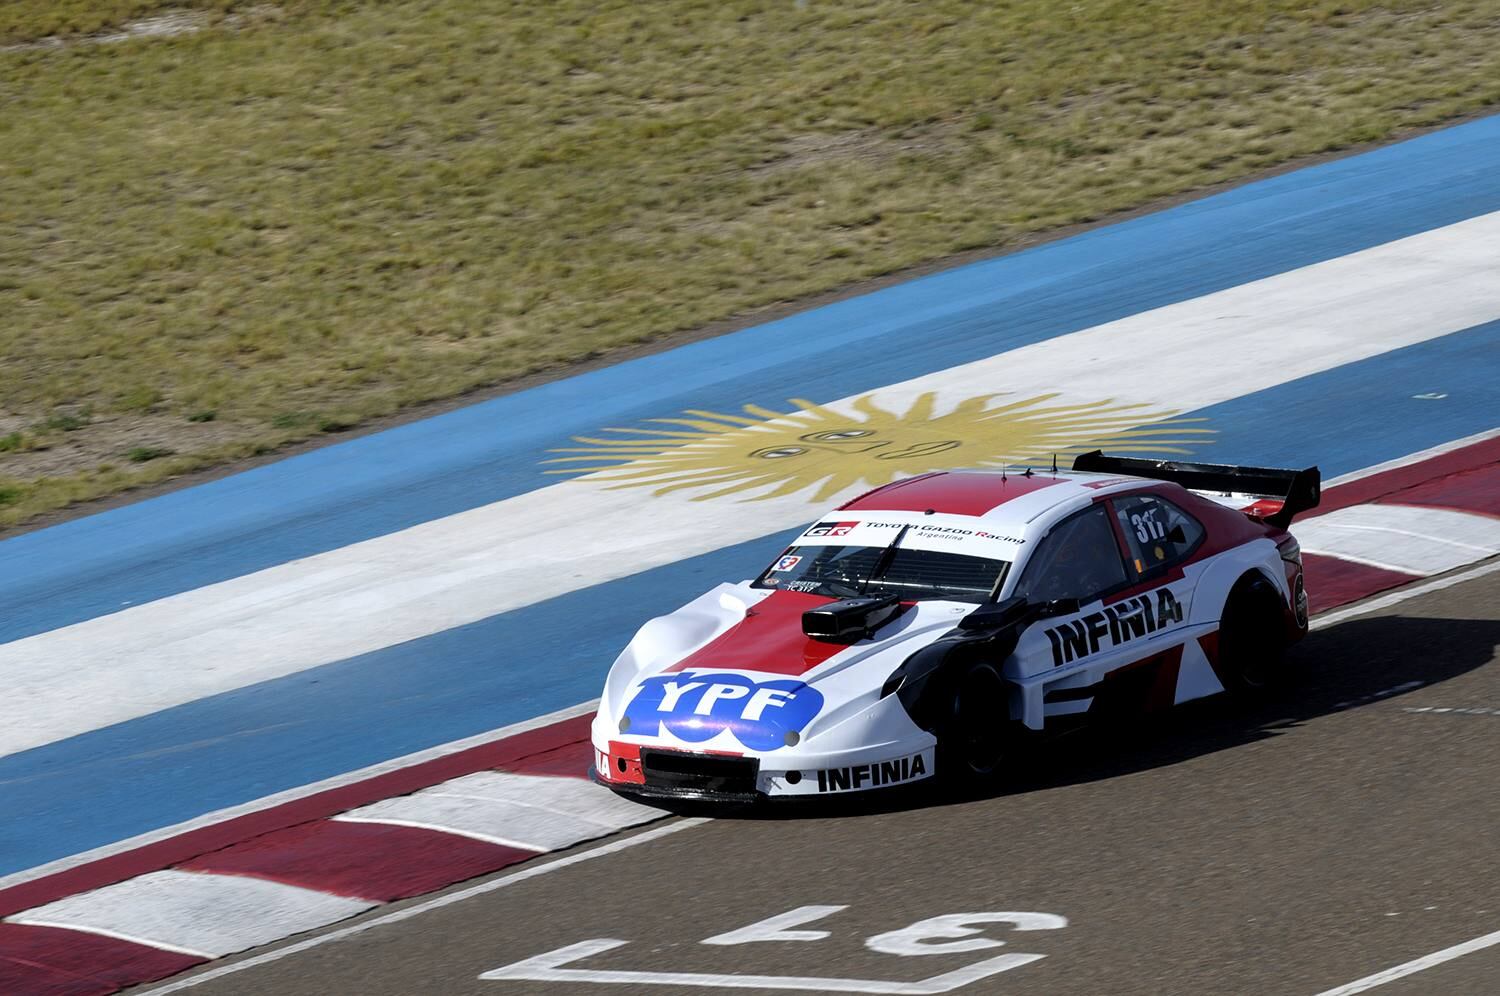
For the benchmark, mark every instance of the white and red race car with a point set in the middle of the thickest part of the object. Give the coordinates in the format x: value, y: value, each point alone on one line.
x: 924, y: 627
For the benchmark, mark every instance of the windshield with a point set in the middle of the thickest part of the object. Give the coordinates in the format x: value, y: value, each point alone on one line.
x: 844, y: 572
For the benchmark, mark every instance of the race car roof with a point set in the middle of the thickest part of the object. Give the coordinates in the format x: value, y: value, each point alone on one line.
x: 954, y: 492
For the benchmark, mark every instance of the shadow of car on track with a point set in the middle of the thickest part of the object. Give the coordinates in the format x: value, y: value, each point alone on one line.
x: 1362, y: 662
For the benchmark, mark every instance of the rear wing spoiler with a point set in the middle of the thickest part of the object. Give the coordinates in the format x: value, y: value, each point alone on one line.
x: 1274, y: 496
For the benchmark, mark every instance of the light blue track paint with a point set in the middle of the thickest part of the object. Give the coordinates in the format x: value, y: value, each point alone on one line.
x: 228, y: 749
x: 387, y: 481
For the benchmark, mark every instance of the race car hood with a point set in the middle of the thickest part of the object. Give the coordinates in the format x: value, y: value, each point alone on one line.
x: 733, y: 670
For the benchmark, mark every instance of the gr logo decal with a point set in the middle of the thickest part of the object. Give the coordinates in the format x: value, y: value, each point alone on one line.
x: 830, y: 529
x: 762, y: 715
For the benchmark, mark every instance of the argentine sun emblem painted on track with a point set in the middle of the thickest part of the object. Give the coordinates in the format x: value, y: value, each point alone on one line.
x: 767, y: 454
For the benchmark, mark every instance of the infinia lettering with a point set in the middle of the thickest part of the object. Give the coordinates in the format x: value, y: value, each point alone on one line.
x: 862, y: 776
x: 1115, y: 624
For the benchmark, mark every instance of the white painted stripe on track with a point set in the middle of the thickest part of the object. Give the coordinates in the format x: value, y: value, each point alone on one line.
x: 301, y: 792
x: 1412, y: 539
x: 1364, y: 608
x: 449, y: 826
x: 353, y: 930
x: 122, y: 936
x: 573, y: 796
x: 466, y: 567
x: 1379, y: 565
x: 196, y: 912
x: 549, y: 968
x: 1405, y: 461
x: 1415, y: 965
x: 533, y: 812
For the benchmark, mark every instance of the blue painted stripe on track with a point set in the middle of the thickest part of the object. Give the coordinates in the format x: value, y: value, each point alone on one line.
x: 174, y: 765
x: 387, y: 481
x: 177, y: 764
x: 1341, y: 418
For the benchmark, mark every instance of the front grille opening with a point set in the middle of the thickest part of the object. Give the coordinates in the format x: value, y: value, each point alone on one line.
x: 671, y: 769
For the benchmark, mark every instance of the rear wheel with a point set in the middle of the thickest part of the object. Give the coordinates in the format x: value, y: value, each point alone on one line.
x: 977, y: 737
x: 1252, y: 641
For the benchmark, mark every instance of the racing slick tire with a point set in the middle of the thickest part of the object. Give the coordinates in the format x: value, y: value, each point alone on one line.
x: 976, y: 738
x: 1252, y: 639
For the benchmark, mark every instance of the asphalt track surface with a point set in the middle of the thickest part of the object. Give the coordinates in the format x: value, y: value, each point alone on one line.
x: 1295, y: 845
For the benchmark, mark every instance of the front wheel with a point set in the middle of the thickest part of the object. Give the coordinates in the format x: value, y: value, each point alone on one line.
x: 977, y: 737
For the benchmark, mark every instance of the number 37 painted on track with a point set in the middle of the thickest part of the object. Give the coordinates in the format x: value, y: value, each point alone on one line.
x: 952, y: 933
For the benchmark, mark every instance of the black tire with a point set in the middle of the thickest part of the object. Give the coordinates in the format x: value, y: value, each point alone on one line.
x: 977, y: 738
x: 1252, y: 639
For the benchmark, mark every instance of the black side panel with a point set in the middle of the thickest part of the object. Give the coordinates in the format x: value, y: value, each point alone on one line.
x: 923, y: 680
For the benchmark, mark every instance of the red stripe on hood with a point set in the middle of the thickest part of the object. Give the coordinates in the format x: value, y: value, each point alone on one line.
x: 769, y: 638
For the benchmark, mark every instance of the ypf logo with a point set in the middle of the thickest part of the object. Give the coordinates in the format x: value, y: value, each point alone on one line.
x: 762, y: 715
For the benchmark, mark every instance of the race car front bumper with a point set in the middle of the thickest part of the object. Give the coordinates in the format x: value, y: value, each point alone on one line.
x: 669, y: 772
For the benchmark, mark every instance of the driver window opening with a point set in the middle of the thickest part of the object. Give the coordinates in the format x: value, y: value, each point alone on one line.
x: 1078, y: 559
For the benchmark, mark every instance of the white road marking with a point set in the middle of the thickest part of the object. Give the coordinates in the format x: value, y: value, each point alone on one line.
x: 925, y: 937
x: 1368, y: 561
x: 1384, y: 693
x: 448, y: 827
x: 195, y: 912
x: 466, y: 567
x: 353, y: 930
x: 292, y: 795
x: 120, y: 935
x: 1402, y: 595
x: 1412, y: 539
x: 547, y: 968
x: 775, y: 928
x: 1415, y: 965
x: 1455, y: 710
x: 1406, y: 461
x: 532, y: 812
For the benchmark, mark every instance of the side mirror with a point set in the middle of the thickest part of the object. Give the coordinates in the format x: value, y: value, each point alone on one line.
x: 1058, y: 607
x: 995, y: 615
x: 1176, y: 535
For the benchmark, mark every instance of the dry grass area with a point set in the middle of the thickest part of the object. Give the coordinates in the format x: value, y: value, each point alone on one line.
x: 39, y: 23
x: 312, y: 213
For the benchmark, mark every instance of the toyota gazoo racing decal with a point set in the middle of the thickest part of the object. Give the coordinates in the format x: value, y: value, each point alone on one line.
x: 695, y: 708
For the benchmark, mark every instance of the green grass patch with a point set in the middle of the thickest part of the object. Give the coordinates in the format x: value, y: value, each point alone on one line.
x: 141, y: 454
x: 342, y: 206
x: 67, y: 421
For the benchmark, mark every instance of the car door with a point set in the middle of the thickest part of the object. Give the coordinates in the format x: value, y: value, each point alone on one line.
x: 1075, y: 567
x: 1154, y: 611
x: 1159, y: 537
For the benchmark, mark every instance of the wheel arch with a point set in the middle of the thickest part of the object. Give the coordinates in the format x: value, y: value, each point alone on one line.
x: 1227, y: 573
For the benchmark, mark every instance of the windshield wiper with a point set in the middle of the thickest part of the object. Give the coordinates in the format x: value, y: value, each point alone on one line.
x: 884, y: 563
